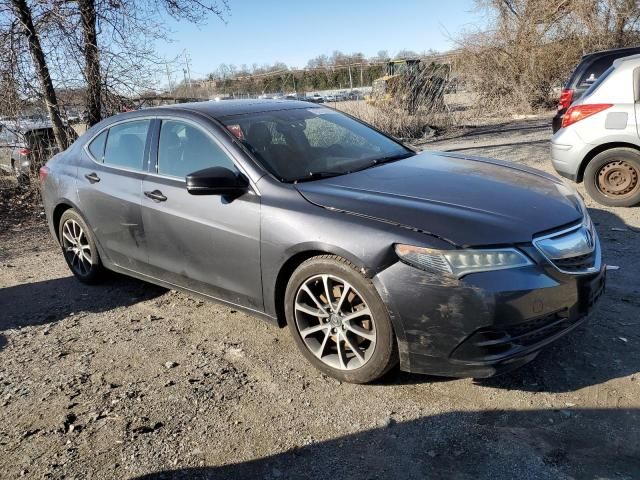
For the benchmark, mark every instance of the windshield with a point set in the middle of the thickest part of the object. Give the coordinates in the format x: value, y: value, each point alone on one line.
x: 309, y: 143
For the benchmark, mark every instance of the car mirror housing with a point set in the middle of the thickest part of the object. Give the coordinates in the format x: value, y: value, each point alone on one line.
x: 216, y: 181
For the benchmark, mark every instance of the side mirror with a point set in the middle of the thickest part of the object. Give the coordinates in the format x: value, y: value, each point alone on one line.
x: 216, y: 181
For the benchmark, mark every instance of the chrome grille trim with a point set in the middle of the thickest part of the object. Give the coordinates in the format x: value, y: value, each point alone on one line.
x: 563, y: 260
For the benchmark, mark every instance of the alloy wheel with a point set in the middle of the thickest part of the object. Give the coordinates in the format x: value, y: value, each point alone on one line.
x: 334, y: 322
x: 76, y: 248
x: 618, y: 179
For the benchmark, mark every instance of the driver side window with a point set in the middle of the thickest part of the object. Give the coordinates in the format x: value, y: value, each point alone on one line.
x: 184, y: 149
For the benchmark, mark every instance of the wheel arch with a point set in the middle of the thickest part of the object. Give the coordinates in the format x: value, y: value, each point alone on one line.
x: 599, y: 149
x: 299, y: 255
x: 58, y: 211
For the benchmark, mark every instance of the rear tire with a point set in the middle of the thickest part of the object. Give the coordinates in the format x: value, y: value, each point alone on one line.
x: 612, y: 177
x: 347, y: 336
x: 79, y: 248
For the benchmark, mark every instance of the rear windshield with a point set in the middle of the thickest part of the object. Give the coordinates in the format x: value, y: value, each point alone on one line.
x: 298, y: 144
x: 594, y: 71
x: 42, y: 137
x: 599, y: 82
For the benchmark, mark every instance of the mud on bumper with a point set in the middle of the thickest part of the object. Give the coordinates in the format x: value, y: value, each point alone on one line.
x: 486, y: 324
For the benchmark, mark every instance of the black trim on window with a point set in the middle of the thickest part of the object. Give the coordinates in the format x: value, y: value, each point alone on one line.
x: 154, y: 139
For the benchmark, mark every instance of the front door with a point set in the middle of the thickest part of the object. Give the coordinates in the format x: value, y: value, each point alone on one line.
x: 109, y: 188
x: 209, y: 244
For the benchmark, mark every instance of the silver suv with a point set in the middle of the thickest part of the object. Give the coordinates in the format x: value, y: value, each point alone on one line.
x: 25, y: 146
x: 599, y: 141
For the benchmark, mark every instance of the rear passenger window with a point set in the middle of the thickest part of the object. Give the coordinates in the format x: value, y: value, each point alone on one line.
x: 594, y: 86
x: 595, y: 70
x: 96, y: 147
x: 184, y: 149
x: 125, y: 144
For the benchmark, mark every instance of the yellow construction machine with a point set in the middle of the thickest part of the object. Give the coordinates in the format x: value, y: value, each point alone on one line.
x: 411, y: 84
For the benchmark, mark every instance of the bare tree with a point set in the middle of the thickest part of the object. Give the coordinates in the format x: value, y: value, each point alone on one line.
x: 24, y: 16
x: 119, y: 46
x: 530, y: 46
x: 103, y: 47
x: 92, y: 60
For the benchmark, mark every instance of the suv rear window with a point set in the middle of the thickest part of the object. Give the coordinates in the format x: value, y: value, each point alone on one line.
x: 598, y: 82
x: 595, y: 70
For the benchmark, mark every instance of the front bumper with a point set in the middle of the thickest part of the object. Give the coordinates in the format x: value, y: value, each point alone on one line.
x: 487, y: 323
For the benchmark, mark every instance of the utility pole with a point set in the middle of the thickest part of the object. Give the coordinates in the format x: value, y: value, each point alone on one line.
x: 184, y: 76
x: 171, y: 92
x: 361, y: 82
x: 350, y: 79
x: 188, y: 71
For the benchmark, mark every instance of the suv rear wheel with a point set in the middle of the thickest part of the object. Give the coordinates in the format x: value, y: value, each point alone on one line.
x: 612, y: 177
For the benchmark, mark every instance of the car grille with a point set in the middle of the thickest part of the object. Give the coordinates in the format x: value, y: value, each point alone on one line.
x: 577, y: 264
x: 492, y: 343
x: 575, y: 250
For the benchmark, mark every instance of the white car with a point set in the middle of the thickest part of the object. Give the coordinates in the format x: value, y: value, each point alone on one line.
x: 599, y: 142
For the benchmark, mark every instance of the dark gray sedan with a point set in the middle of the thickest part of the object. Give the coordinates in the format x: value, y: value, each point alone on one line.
x: 371, y: 253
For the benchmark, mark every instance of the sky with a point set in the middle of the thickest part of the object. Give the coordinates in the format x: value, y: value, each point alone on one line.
x: 295, y: 31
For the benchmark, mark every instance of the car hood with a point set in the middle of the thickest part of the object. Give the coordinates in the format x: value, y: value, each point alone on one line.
x: 468, y: 201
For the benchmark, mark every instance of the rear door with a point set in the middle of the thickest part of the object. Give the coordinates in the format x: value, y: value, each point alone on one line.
x: 109, y: 188
x: 209, y: 244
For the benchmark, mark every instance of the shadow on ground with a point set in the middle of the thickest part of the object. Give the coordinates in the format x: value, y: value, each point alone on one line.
x: 38, y: 303
x: 536, y: 444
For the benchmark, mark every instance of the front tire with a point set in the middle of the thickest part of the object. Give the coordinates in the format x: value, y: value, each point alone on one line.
x: 79, y: 248
x: 612, y: 177
x: 338, y: 320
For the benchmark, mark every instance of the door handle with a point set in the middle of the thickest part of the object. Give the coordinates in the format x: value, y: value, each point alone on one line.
x: 156, y: 195
x: 92, y: 177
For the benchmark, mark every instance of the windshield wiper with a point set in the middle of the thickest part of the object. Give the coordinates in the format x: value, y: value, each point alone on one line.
x: 377, y: 161
x: 391, y: 158
x: 319, y: 175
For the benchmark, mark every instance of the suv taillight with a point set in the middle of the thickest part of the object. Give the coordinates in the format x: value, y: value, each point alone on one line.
x: 43, y: 172
x: 566, y: 97
x: 580, y: 112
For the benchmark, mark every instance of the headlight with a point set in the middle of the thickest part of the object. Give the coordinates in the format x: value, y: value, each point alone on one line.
x: 461, y: 262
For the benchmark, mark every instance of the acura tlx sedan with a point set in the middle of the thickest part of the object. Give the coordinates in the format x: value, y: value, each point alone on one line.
x: 371, y: 253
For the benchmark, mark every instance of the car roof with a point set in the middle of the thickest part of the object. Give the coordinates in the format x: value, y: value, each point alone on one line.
x: 590, y: 59
x: 26, y: 125
x: 612, y: 51
x: 227, y: 108
x: 630, y: 58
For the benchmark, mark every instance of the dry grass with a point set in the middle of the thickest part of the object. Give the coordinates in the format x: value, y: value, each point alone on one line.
x: 395, y: 121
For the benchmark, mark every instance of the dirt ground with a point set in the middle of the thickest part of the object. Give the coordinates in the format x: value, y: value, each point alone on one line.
x: 128, y: 380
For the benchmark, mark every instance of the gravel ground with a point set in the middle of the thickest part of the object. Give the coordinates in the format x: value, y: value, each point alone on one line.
x: 128, y: 380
